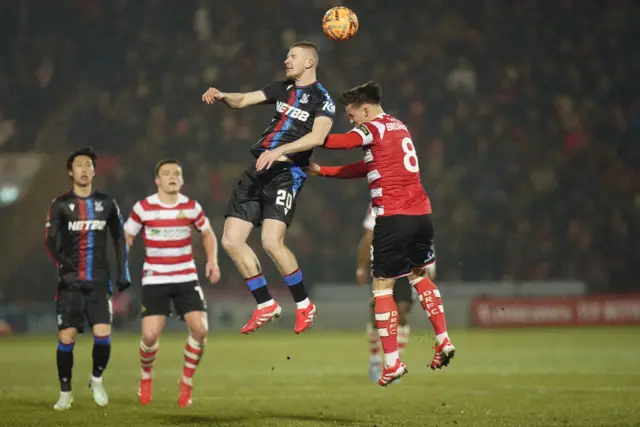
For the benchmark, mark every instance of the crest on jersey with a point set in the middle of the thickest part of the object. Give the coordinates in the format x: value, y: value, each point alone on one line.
x: 72, y: 206
x: 304, y: 99
x: 99, y: 207
x: 181, y: 215
x: 364, y: 130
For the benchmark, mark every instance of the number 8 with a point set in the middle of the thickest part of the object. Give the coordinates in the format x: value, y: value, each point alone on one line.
x: 410, y: 153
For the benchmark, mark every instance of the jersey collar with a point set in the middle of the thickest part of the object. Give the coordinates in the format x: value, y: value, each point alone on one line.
x: 305, y: 86
x: 155, y: 199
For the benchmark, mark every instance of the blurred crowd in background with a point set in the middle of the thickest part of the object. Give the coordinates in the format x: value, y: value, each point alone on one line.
x: 525, y: 115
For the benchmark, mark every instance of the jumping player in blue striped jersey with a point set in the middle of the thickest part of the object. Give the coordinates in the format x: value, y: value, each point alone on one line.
x: 78, y: 222
x: 267, y: 196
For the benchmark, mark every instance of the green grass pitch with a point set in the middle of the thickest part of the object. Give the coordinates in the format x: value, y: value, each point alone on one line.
x: 537, y: 377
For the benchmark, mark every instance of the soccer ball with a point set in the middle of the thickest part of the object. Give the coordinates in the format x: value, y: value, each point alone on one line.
x: 340, y: 23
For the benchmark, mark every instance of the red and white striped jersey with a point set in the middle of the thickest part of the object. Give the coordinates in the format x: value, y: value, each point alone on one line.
x: 167, y: 238
x: 392, y: 168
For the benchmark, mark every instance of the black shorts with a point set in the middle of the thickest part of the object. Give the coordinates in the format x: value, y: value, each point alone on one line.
x: 268, y: 194
x: 186, y: 297
x: 401, y: 243
x: 75, y: 307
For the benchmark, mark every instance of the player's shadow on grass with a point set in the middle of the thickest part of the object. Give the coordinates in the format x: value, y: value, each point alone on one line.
x: 198, y: 419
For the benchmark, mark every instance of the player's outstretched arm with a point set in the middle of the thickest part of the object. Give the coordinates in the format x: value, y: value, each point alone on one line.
x: 315, y: 138
x: 116, y: 228
x: 338, y: 141
x: 349, y: 171
x: 234, y: 100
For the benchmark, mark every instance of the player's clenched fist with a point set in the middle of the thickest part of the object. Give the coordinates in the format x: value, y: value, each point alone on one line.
x: 212, y: 272
x: 212, y: 95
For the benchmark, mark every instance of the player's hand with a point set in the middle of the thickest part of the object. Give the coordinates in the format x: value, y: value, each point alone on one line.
x: 266, y: 159
x: 313, y: 169
x: 123, y: 285
x: 212, y: 271
x: 212, y: 95
x: 361, y: 276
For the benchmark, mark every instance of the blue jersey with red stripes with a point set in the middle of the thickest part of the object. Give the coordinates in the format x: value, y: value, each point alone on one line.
x: 296, y: 109
x: 76, y: 236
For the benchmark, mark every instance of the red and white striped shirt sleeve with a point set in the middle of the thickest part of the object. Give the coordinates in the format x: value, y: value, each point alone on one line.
x: 201, y: 222
x: 367, y: 131
x: 135, y: 223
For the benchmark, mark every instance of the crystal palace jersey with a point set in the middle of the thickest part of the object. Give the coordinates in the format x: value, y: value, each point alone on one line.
x: 167, y: 238
x: 296, y: 109
x: 76, y: 236
x: 392, y: 168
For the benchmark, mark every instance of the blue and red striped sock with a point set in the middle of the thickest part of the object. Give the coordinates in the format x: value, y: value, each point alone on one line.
x: 258, y: 287
x: 296, y: 287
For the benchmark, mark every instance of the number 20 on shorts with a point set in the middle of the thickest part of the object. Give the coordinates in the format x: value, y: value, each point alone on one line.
x: 284, y: 199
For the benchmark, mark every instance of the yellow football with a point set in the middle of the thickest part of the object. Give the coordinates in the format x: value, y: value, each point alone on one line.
x: 340, y: 23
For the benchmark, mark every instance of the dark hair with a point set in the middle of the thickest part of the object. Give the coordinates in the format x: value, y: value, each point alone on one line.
x: 308, y: 45
x: 161, y: 163
x: 368, y: 93
x: 87, y: 151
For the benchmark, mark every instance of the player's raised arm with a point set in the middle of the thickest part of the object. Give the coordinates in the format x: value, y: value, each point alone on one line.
x: 266, y: 95
x: 116, y: 228
x: 52, y: 228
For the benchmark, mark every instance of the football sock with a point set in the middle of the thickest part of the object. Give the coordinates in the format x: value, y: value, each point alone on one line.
x: 431, y: 302
x: 101, y: 354
x: 386, y: 315
x: 192, y: 354
x: 147, y: 358
x: 258, y: 287
x: 64, y: 360
x: 296, y: 287
x: 374, y: 344
x: 403, y: 338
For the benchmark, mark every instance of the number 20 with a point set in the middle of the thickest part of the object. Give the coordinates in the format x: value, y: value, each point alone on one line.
x: 410, y: 153
x: 284, y: 199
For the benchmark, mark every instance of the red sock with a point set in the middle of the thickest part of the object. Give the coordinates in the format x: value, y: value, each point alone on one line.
x: 386, y: 315
x: 147, y: 358
x: 192, y: 354
x: 431, y: 303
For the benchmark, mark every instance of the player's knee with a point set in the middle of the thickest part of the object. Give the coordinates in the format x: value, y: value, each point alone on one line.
x: 272, y: 244
x: 199, y: 333
x: 67, y: 336
x: 150, y: 338
x: 101, y: 330
x: 230, y: 244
